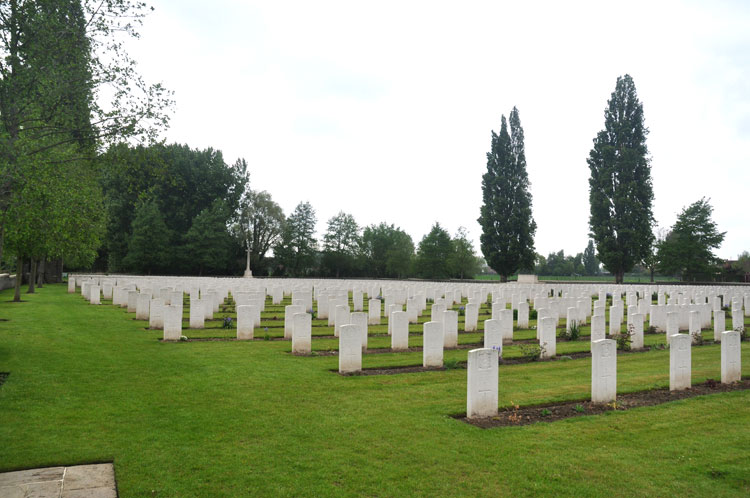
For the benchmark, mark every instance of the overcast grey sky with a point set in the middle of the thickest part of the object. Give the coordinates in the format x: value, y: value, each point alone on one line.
x: 384, y: 109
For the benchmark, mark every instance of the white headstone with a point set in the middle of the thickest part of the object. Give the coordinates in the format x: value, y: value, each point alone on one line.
x: 432, y: 350
x: 289, y: 312
x: 197, y: 313
x: 598, y: 327
x: 360, y: 319
x: 350, y: 349
x: 603, y: 371
x: 635, y: 329
x: 95, y: 295
x: 245, y: 322
x: 493, y: 336
x: 172, y: 323
x: 720, y: 324
x: 481, y: 383
x: 547, y: 337
x: 156, y: 314
x: 302, y: 333
x: 731, y: 365
x: 695, y: 326
x: 506, y: 323
x: 679, y: 362
x: 341, y: 317
x: 523, y: 315
x: 673, y: 324
x: 373, y: 312
x: 132, y: 300
x: 450, y: 328
x: 399, y: 331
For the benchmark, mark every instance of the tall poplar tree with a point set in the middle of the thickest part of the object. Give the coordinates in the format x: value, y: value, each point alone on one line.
x: 620, y: 188
x: 508, y: 227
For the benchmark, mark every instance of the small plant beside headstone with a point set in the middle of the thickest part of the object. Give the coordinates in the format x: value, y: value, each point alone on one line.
x: 532, y: 352
x: 743, y: 333
x: 698, y: 339
x: 624, y: 339
x: 572, y: 333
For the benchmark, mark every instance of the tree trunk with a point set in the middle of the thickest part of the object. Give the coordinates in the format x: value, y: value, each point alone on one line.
x: 619, y: 276
x: 503, y: 278
x: 2, y: 242
x: 652, y: 275
x: 19, y: 277
x: 40, y: 271
x: 32, y: 276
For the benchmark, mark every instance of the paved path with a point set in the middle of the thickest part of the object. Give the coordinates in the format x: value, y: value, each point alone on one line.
x: 90, y: 481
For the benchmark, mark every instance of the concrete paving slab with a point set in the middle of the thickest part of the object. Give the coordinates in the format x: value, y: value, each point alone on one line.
x: 89, y: 476
x: 32, y: 475
x: 78, y: 481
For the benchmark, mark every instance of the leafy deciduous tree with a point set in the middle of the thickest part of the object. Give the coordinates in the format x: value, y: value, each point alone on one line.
x: 148, y: 247
x: 341, y: 244
x: 208, y: 242
x: 296, y: 251
x: 261, y: 222
x: 387, y: 251
x: 55, y: 55
x: 463, y: 260
x: 433, y: 254
x: 688, y: 247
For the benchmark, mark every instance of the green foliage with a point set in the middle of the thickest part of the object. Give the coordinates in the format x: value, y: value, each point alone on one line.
x: 624, y: 339
x: 185, y: 181
x: 260, y: 225
x: 532, y: 352
x: 590, y: 263
x: 451, y: 364
x: 296, y: 251
x: 573, y: 332
x: 208, y: 244
x: 387, y: 251
x: 687, y: 248
x: 148, y: 248
x: 55, y: 56
x: 620, y: 187
x: 558, y: 264
x: 341, y: 244
x: 743, y: 262
x: 433, y: 254
x: 463, y: 260
x: 508, y: 228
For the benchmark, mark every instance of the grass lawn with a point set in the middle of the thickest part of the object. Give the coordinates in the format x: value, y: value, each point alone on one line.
x: 91, y: 384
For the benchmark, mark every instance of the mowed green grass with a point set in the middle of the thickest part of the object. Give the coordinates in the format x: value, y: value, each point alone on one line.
x: 90, y: 384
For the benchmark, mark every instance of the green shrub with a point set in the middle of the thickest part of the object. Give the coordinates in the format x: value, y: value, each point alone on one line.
x: 624, y: 339
x: 531, y: 352
x: 572, y: 333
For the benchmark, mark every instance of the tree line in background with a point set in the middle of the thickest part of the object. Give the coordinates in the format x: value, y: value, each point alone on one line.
x: 176, y: 210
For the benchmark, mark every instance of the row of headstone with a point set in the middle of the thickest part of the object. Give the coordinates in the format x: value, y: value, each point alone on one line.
x: 482, y: 375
